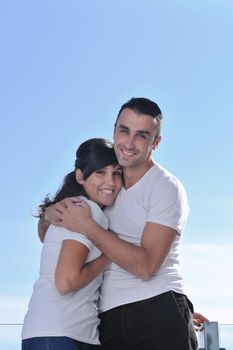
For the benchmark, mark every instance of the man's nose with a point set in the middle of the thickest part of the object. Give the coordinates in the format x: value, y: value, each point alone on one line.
x: 130, y: 142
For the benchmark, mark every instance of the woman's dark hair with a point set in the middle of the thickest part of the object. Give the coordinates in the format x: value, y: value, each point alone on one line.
x: 92, y: 155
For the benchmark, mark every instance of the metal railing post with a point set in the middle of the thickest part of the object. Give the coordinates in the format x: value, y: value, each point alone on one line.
x: 211, y: 336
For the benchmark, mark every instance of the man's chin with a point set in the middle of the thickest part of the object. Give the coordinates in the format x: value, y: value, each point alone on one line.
x: 128, y: 163
x: 125, y: 162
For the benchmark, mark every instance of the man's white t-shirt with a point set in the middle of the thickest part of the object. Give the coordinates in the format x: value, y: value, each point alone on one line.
x: 74, y: 314
x: 157, y: 197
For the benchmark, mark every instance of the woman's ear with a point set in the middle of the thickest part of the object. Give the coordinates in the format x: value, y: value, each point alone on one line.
x: 79, y: 176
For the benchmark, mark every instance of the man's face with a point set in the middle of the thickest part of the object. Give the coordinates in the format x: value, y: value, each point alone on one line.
x: 134, y: 138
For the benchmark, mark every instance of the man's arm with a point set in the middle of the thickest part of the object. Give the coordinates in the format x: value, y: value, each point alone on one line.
x: 143, y: 260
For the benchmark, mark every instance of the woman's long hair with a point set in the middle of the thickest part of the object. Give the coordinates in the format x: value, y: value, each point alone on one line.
x: 92, y: 155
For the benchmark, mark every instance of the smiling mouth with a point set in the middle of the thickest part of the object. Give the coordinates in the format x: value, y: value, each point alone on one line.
x: 128, y: 153
x: 107, y: 191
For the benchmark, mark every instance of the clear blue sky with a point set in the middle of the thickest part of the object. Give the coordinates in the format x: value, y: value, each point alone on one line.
x: 66, y: 67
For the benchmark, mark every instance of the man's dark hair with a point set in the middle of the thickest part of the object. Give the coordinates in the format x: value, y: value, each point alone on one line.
x: 143, y: 105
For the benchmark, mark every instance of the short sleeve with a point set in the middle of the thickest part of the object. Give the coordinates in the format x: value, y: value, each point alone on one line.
x: 78, y: 237
x: 168, y: 205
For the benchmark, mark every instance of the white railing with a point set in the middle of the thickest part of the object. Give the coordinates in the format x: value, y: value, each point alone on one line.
x: 214, y: 336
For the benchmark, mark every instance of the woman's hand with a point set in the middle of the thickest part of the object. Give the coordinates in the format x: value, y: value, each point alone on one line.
x: 50, y: 214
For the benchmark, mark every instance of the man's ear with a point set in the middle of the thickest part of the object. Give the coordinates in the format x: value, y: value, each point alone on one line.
x: 79, y: 176
x: 156, y: 142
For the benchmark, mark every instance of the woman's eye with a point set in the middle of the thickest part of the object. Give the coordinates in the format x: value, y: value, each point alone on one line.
x: 117, y: 173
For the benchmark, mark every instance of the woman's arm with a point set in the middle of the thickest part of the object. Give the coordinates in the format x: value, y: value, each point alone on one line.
x: 72, y: 271
x: 43, y: 226
x: 49, y: 216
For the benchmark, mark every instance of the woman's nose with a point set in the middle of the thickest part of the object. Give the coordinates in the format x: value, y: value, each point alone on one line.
x: 109, y: 179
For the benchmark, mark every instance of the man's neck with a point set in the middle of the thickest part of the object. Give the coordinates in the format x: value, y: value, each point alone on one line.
x: 134, y: 174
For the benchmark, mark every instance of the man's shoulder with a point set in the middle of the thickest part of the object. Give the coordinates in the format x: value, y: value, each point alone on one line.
x: 159, y: 174
x: 164, y: 182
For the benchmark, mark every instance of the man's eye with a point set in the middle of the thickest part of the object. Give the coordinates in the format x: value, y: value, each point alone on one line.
x: 101, y: 171
x: 142, y: 136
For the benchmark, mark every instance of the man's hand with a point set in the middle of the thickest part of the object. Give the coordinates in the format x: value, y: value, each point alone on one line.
x: 198, y: 320
x: 71, y: 213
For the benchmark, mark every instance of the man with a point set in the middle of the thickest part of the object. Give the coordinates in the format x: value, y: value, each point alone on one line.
x: 142, y: 305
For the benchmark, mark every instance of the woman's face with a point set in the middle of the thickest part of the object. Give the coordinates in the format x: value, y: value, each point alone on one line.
x: 103, y: 185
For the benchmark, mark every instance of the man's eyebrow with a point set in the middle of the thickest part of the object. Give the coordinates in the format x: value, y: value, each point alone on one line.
x: 145, y: 132
x: 122, y: 126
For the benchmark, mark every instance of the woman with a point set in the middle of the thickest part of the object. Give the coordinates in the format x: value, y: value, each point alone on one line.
x: 62, y: 313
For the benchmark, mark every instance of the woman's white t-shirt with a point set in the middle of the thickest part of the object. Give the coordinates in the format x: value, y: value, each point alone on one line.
x: 74, y: 314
